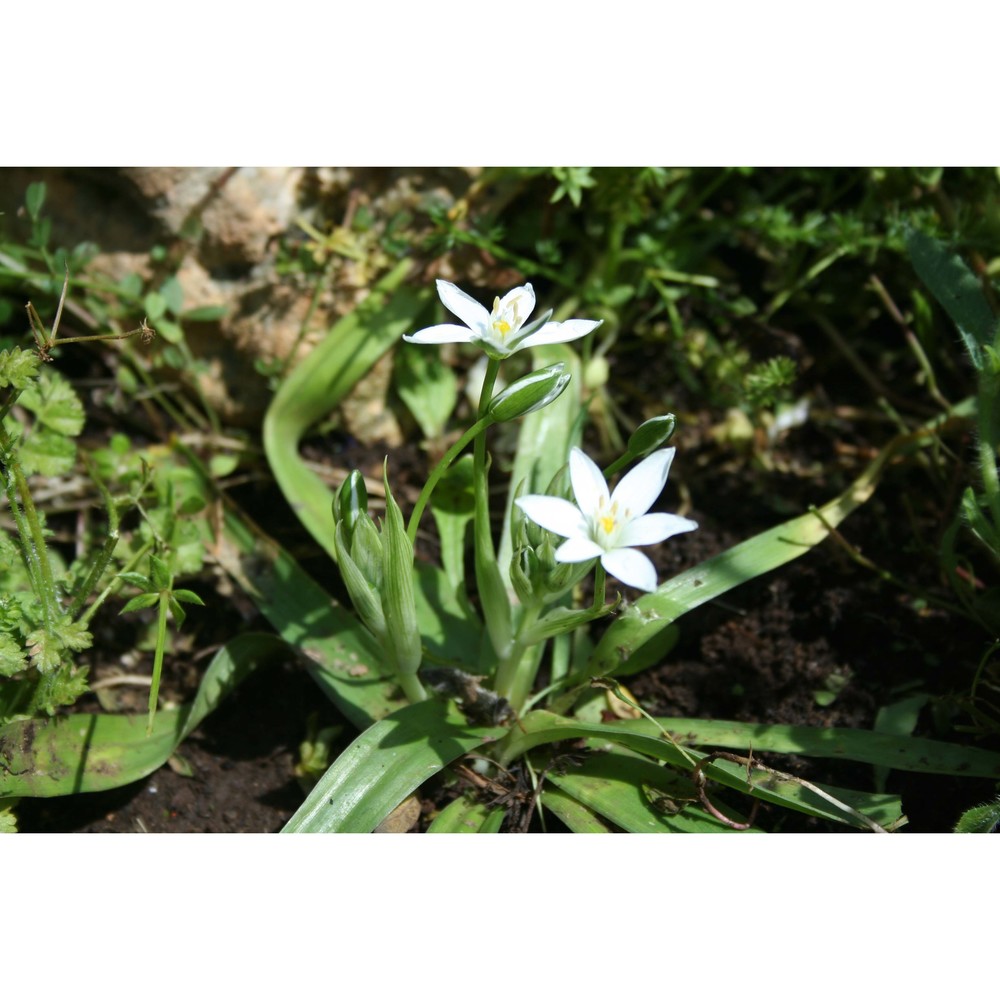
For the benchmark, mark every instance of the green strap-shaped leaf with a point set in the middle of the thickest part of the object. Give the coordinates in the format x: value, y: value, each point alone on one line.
x: 428, y: 387
x: 322, y: 380
x: 92, y: 753
x: 465, y: 816
x: 577, y: 817
x: 636, y: 795
x: 958, y: 290
x: 538, y: 728
x: 901, y: 753
x: 387, y: 762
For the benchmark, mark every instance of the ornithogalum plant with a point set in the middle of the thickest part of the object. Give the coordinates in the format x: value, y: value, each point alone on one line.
x: 523, y: 605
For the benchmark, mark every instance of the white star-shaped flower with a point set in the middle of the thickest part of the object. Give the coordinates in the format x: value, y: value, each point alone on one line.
x: 608, y: 525
x: 501, y: 332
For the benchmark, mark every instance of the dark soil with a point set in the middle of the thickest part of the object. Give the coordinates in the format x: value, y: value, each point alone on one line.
x: 240, y: 762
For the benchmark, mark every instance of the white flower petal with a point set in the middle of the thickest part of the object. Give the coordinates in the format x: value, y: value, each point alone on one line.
x: 465, y: 307
x: 525, y: 297
x: 578, y: 549
x: 652, y: 528
x: 554, y: 514
x: 444, y: 333
x: 631, y: 567
x: 638, y: 490
x: 589, y: 486
x: 560, y: 333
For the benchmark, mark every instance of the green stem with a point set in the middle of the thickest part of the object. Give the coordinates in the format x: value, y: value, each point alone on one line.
x: 600, y: 585
x: 103, y: 557
x: 29, y: 527
x: 512, y: 682
x: 161, y: 642
x: 524, y: 676
x: 489, y: 583
x: 617, y: 465
x: 115, y: 585
x: 439, y: 470
x: 412, y: 687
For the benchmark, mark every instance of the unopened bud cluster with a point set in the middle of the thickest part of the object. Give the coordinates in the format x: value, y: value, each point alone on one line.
x: 377, y: 569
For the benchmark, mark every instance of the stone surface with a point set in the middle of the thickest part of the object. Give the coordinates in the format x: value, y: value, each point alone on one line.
x: 222, y: 230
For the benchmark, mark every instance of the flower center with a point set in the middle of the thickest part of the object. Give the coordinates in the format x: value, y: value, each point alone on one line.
x: 506, y: 321
x: 607, y: 523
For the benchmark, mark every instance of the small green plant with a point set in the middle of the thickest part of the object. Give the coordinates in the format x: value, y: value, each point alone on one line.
x: 50, y: 594
x: 47, y: 605
x: 43, y: 619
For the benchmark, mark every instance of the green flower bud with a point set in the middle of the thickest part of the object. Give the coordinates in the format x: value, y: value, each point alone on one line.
x: 364, y: 596
x: 530, y: 393
x: 351, y: 502
x: 402, y: 631
x: 651, y: 435
x: 366, y: 550
x: 522, y: 565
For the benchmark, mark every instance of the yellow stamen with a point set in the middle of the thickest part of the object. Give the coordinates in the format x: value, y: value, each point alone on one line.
x: 607, y: 523
x: 501, y: 325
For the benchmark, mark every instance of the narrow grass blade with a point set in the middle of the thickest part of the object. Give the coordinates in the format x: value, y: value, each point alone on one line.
x: 387, y: 762
x: 92, y: 753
